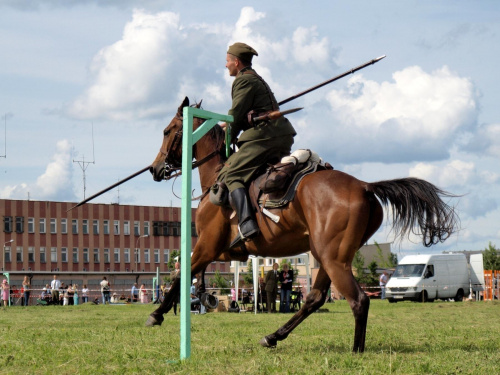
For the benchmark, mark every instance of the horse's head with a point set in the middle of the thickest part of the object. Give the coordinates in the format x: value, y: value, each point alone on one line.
x: 170, y: 155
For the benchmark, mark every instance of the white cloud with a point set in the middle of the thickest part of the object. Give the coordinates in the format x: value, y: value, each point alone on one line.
x: 455, y: 173
x: 54, y: 184
x: 128, y: 75
x: 307, y: 48
x: 418, y: 116
x: 485, y: 141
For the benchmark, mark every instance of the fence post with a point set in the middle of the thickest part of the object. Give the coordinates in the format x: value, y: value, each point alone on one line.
x: 189, y: 138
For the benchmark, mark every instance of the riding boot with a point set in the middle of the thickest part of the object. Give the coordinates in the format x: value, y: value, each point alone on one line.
x: 247, y: 226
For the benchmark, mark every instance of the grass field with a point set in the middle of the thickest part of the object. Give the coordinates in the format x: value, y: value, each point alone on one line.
x: 402, y: 338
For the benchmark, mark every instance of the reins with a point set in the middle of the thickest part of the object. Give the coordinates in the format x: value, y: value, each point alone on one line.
x: 169, y: 168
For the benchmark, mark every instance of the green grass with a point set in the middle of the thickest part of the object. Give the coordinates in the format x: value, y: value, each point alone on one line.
x: 402, y: 338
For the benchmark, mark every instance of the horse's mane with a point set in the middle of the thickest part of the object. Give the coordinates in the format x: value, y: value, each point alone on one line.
x: 217, y: 135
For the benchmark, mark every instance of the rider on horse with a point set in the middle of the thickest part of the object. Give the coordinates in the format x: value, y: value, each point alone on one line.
x: 262, y: 142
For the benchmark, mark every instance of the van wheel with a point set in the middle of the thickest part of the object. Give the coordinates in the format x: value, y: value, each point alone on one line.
x: 392, y: 300
x: 460, y: 296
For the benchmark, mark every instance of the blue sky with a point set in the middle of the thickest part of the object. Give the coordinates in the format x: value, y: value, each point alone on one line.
x: 430, y: 109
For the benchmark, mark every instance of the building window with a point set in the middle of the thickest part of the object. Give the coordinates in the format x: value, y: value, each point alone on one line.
x: 75, y: 255
x: 116, y: 227
x: 95, y: 226
x: 137, y: 228
x: 126, y: 255
x: 53, y: 254
x: 19, y: 254
x: 126, y: 228
x: 166, y: 256
x: 6, y: 255
x: 19, y: 224
x: 96, y: 255
x: 137, y: 256
x: 117, y: 256
x: 7, y: 224
x: 106, y: 256
x: 175, y: 228
x: 43, y: 257
x: 193, y: 230
x: 64, y: 226
x: 53, y: 225
x: 85, y: 226
x: 146, y: 228
x: 64, y: 254
x: 74, y: 226
x: 105, y: 228
x: 86, y: 258
x: 146, y: 256
x: 31, y: 254
x: 157, y: 256
x: 41, y: 226
x: 31, y: 225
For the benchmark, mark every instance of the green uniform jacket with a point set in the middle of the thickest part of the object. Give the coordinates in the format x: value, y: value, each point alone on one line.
x: 249, y: 92
x: 260, y: 144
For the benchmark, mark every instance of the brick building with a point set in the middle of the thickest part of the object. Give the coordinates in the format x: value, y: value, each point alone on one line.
x: 123, y: 242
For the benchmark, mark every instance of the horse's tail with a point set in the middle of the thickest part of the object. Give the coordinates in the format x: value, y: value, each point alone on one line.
x: 417, y: 207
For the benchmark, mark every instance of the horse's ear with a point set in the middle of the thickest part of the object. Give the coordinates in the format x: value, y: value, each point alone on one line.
x: 185, y: 103
x: 198, y: 105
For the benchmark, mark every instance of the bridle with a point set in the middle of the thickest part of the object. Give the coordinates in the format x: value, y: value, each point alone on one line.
x: 172, y: 165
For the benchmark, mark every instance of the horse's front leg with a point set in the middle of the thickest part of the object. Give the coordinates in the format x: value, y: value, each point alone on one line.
x: 314, y: 300
x: 156, y: 317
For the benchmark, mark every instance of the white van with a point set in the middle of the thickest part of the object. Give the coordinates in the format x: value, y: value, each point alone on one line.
x: 428, y: 277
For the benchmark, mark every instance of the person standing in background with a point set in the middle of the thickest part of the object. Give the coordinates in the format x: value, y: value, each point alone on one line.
x: 105, y: 289
x: 55, y: 285
x: 286, y: 279
x: 382, y: 282
x: 27, y: 289
x: 5, y: 292
x: 272, y: 278
x: 85, y: 293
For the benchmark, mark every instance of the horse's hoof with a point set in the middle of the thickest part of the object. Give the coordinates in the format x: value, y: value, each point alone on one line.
x: 153, y: 322
x: 267, y: 344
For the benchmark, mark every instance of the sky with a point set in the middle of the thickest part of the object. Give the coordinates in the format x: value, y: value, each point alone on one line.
x: 88, y: 86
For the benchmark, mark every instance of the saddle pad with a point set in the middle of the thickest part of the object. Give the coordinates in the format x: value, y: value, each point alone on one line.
x: 281, y: 198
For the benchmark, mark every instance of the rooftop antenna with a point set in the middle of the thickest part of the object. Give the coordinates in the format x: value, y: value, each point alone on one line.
x: 84, y: 164
x: 5, y: 122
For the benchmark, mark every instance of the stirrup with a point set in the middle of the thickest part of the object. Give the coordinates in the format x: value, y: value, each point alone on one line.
x: 241, y: 239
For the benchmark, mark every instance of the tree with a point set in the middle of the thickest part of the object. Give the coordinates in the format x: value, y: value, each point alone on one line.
x: 358, y: 263
x: 171, y: 260
x: 220, y: 283
x: 248, y: 276
x: 491, y: 258
x: 390, y: 262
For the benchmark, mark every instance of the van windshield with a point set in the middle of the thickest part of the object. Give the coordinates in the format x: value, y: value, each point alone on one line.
x: 409, y: 270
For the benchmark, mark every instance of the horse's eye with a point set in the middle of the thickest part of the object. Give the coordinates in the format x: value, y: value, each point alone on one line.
x: 166, y: 133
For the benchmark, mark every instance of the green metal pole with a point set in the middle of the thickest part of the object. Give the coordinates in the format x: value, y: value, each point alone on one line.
x: 187, y: 157
x: 188, y: 140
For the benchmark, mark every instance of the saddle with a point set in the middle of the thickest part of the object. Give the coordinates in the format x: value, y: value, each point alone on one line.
x: 277, y: 186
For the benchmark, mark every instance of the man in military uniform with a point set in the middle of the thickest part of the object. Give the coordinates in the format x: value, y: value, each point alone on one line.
x: 261, y: 142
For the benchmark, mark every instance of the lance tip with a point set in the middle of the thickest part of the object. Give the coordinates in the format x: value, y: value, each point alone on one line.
x: 379, y: 58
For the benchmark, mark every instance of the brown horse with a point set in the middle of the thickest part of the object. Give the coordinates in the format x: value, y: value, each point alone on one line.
x: 333, y: 214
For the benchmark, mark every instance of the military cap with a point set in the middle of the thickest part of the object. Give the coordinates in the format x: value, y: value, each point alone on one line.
x: 242, y: 51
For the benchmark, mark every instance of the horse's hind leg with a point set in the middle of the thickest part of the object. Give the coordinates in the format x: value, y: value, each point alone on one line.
x: 156, y: 317
x: 345, y: 283
x: 314, y: 300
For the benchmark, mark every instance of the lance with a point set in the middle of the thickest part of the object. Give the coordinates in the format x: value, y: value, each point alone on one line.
x: 351, y: 71
x: 275, y: 114
x: 111, y: 187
